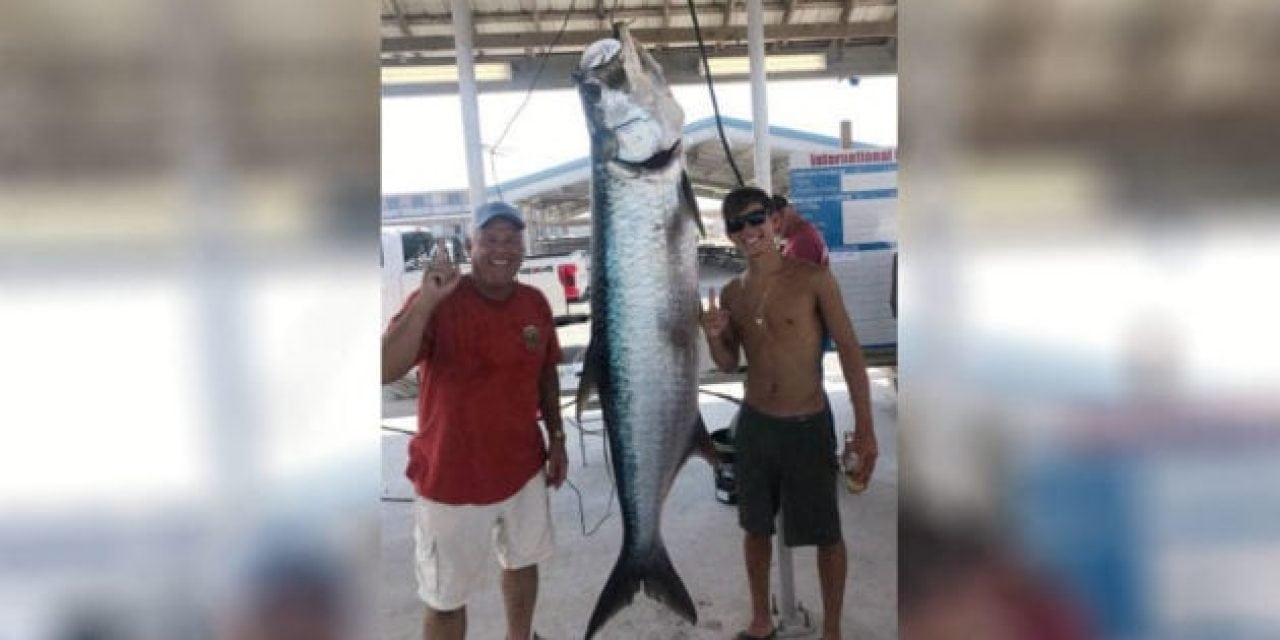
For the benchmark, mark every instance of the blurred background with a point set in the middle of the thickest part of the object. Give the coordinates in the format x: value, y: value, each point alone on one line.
x: 1088, y: 372
x: 189, y: 313
x: 188, y: 318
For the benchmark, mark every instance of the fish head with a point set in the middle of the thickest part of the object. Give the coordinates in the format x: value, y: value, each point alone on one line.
x: 633, y: 118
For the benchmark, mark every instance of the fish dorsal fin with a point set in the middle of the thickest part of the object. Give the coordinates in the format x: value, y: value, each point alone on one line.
x: 690, y: 202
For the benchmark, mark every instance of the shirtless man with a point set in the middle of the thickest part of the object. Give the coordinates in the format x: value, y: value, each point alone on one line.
x: 785, y: 441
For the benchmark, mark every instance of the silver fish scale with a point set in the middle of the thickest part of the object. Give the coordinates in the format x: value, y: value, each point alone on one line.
x: 651, y: 308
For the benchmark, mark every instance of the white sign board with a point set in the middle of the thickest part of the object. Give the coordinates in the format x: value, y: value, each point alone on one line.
x: 851, y: 196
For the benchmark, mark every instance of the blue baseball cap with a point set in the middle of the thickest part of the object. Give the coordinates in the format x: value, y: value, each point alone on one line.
x: 490, y: 211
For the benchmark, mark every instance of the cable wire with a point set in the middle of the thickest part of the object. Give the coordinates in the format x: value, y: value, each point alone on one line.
x: 722, y: 396
x: 613, y: 487
x: 582, y: 510
x: 715, y: 105
x: 533, y: 84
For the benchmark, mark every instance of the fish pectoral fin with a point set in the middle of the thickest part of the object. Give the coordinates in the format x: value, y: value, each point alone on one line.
x: 590, y: 380
x: 690, y: 202
x: 700, y: 444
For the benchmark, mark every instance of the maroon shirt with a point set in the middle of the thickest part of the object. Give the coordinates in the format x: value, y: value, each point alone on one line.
x: 806, y: 244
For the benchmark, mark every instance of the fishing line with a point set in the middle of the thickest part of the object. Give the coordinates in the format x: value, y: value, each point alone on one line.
x: 546, y: 55
x: 613, y: 485
x: 582, y: 509
x: 715, y: 105
x: 722, y: 396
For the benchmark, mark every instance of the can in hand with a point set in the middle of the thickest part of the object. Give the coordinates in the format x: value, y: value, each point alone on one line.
x: 852, y: 464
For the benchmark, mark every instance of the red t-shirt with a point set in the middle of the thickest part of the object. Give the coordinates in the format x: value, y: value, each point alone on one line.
x: 478, y: 440
x: 806, y: 244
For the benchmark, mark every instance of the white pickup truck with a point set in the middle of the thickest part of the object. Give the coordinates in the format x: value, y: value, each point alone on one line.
x: 562, y: 278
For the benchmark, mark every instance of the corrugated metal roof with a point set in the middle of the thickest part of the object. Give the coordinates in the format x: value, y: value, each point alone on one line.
x: 423, y: 29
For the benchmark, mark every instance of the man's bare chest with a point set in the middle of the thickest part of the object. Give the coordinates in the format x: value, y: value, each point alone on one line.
x: 779, y: 314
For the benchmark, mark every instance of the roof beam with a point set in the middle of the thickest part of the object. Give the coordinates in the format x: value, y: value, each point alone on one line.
x: 680, y: 66
x: 712, y: 190
x: 718, y: 35
x: 537, y: 24
x: 508, y: 18
x: 400, y: 19
x: 788, y: 11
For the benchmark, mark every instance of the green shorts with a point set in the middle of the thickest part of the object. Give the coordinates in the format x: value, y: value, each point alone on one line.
x: 788, y: 464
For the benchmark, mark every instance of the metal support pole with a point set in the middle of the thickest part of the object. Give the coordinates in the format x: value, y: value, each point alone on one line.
x: 792, y: 621
x: 759, y: 98
x: 470, y: 109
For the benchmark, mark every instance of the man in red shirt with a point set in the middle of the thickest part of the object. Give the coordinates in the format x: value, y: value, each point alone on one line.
x: 802, y: 239
x: 486, y: 350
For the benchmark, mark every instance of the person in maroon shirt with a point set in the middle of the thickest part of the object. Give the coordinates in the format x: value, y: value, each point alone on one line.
x: 486, y: 351
x: 801, y: 239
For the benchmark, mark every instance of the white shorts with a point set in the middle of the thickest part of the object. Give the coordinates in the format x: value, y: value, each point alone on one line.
x: 452, y: 558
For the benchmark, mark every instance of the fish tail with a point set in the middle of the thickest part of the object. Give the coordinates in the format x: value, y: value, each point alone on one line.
x: 663, y: 584
x: 660, y: 581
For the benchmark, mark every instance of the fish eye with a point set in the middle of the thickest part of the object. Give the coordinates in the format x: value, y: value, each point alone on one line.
x: 613, y: 74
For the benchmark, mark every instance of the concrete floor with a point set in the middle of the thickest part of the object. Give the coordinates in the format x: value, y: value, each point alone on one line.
x: 701, y: 534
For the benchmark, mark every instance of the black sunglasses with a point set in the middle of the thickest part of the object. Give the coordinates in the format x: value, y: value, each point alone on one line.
x: 738, y: 223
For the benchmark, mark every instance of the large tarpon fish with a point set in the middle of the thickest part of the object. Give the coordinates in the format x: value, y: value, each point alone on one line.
x: 642, y: 357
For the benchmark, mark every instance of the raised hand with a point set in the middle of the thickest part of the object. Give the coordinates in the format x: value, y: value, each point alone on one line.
x: 715, y: 320
x: 440, y: 277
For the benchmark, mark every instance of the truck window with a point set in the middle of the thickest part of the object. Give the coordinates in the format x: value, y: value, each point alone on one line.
x: 457, y: 252
x: 417, y: 249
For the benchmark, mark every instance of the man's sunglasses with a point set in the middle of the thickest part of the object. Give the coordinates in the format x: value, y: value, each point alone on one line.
x: 738, y: 223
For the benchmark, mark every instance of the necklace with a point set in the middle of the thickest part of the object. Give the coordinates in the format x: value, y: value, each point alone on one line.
x: 764, y: 299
